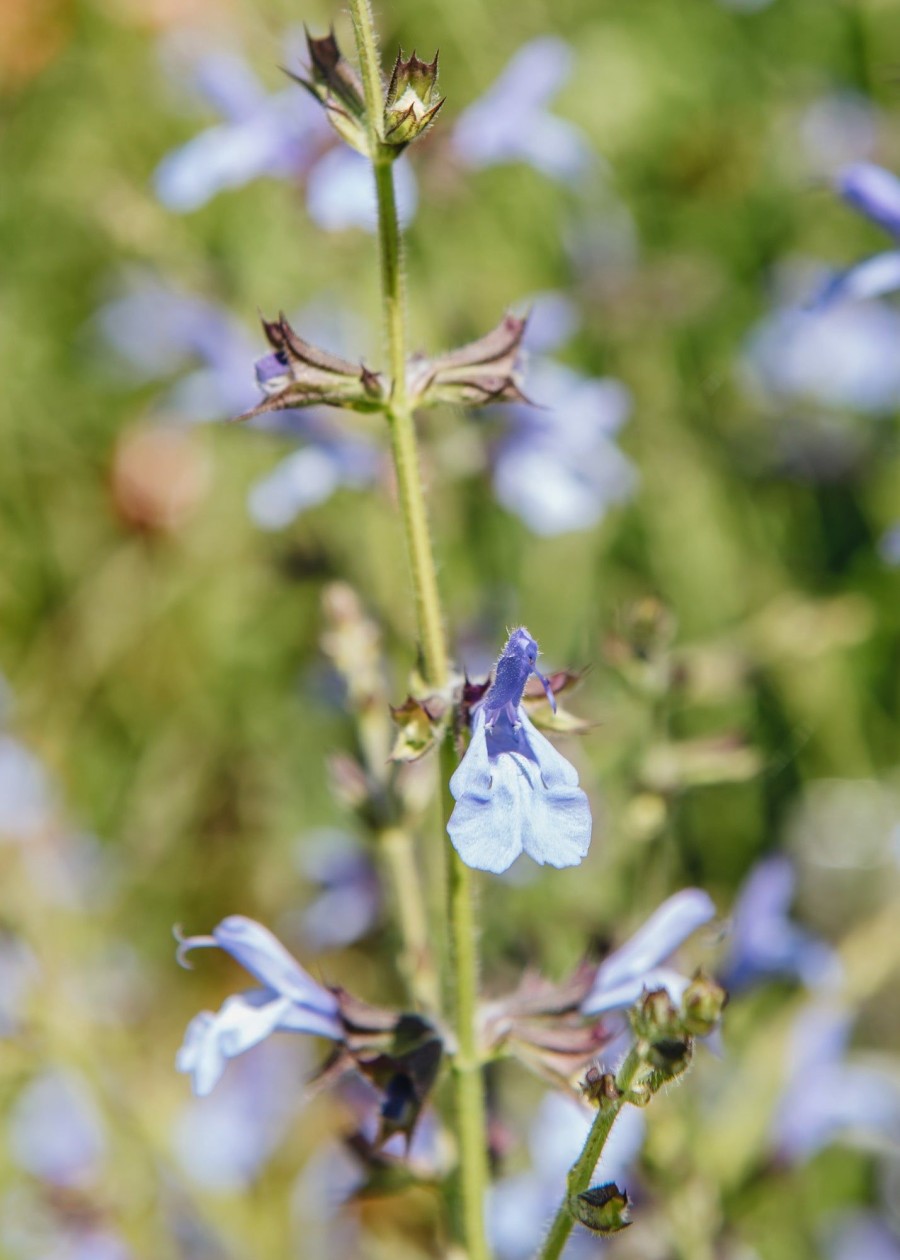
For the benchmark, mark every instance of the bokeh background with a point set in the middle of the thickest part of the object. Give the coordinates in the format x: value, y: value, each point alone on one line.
x: 657, y: 182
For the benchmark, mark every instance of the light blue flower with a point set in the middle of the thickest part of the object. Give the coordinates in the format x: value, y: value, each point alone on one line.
x: 861, y: 1235
x: 638, y: 964
x: 340, y: 192
x: 514, y: 792
x: 349, y: 898
x: 841, y: 357
x: 278, y: 135
x: 558, y: 466
x: 55, y: 1130
x: 828, y: 1096
x: 288, y: 1001
x: 874, y: 192
x: 223, y: 1141
x: 26, y: 800
x: 763, y: 940
x: 511, y: 122
x: 889, y: 546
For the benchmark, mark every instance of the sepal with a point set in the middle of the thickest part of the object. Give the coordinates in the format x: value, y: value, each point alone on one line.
x: 412, y: 102
x: 338, y: 88
x: 299, y: 374
x: 481, y: 372
x: 604, y: 1210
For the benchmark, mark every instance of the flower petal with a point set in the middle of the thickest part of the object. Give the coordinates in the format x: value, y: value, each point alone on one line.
x: 260, y: 953
x: 625, y: 993
x: 873, y: 191
x: 871, y: 278
x: 660, y: 936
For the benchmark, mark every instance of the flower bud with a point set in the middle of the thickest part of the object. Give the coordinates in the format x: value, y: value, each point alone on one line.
x: 702, y: 1004
x: 655, y: 1017
x: 412, y: 100
x: 338, y: 89
x: 602, y: 1209
x: 669, y: 1060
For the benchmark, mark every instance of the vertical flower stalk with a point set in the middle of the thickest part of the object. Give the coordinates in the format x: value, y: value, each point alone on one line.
x: 398, y: 410
x: 583, y: 1169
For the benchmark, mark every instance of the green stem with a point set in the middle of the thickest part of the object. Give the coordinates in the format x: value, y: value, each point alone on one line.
x: 582, y: 1170
x: 473, y: 1171
x: 416, y: 960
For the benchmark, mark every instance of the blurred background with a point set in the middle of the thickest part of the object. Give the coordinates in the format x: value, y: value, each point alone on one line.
x: 703, y: 515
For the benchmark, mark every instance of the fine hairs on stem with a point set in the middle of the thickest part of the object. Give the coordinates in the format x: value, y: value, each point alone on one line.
x: 470, y: 1106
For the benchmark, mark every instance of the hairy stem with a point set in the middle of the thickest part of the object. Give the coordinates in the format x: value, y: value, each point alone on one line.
x: 582, y: 1170
x: 467, y: 1067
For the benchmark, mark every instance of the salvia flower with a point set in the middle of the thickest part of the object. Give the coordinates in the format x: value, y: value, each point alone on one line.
x: 558, y: 467
x: 828, y: 1095
x: 511, y: 122
x: 514, y: 792
x: 764, y: 942
x: 639, y: 964
x: 288, y: 1000
x: 874, y: 192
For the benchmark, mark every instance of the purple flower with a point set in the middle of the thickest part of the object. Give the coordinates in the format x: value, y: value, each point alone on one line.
x: 764, y: 941
x: 861, y: 1236
x: 842, y: 357
x: 638, y: 964
x: 828, y: 1096
x: 837, y: 129
x: 340, y: 192
x: 514, y: 792
x: 26, y: 802
x: 278, y: 135
x: 558, y: 467
x: 520, y: 1206
x: 285, y: 135
x: 874, y: 192
x: 347, y: 906
x: 223, y: 1141
x: 510, y: 122
x: 288, y: 1001
x: 889, y: 546
x: 55, y: 1130
x: 160, y: 331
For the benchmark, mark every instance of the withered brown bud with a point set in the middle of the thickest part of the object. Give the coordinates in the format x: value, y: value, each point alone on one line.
x: 337, y: 87
x: 484, y: 371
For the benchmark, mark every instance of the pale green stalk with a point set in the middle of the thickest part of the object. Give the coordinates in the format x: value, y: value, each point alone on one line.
x: 582, y: 1170
x: 467, y: 1066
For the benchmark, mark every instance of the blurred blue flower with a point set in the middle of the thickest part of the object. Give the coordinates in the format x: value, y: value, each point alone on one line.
x: 889, y: 546
x: 26, y: 801
x: 55, y: 1130
x: 861, y: 1236
x: 514, y: 792
x: 223, y: 1141
x: 638, y: 964
x: 19, y: 971
x: 278, y: 135
x: 348, y: 905
x: 340, y: 191
x: 843, y: 356
x: 289, y: 1001
x: 285, y: 135
x: 874, y: 192
x: 511, y: 122
x: 763, y: 940
x: 519, y: 1207
x: 160, y: 331
x: 828, y: 1096
x: 558, y: 466
x: 836, y: 129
